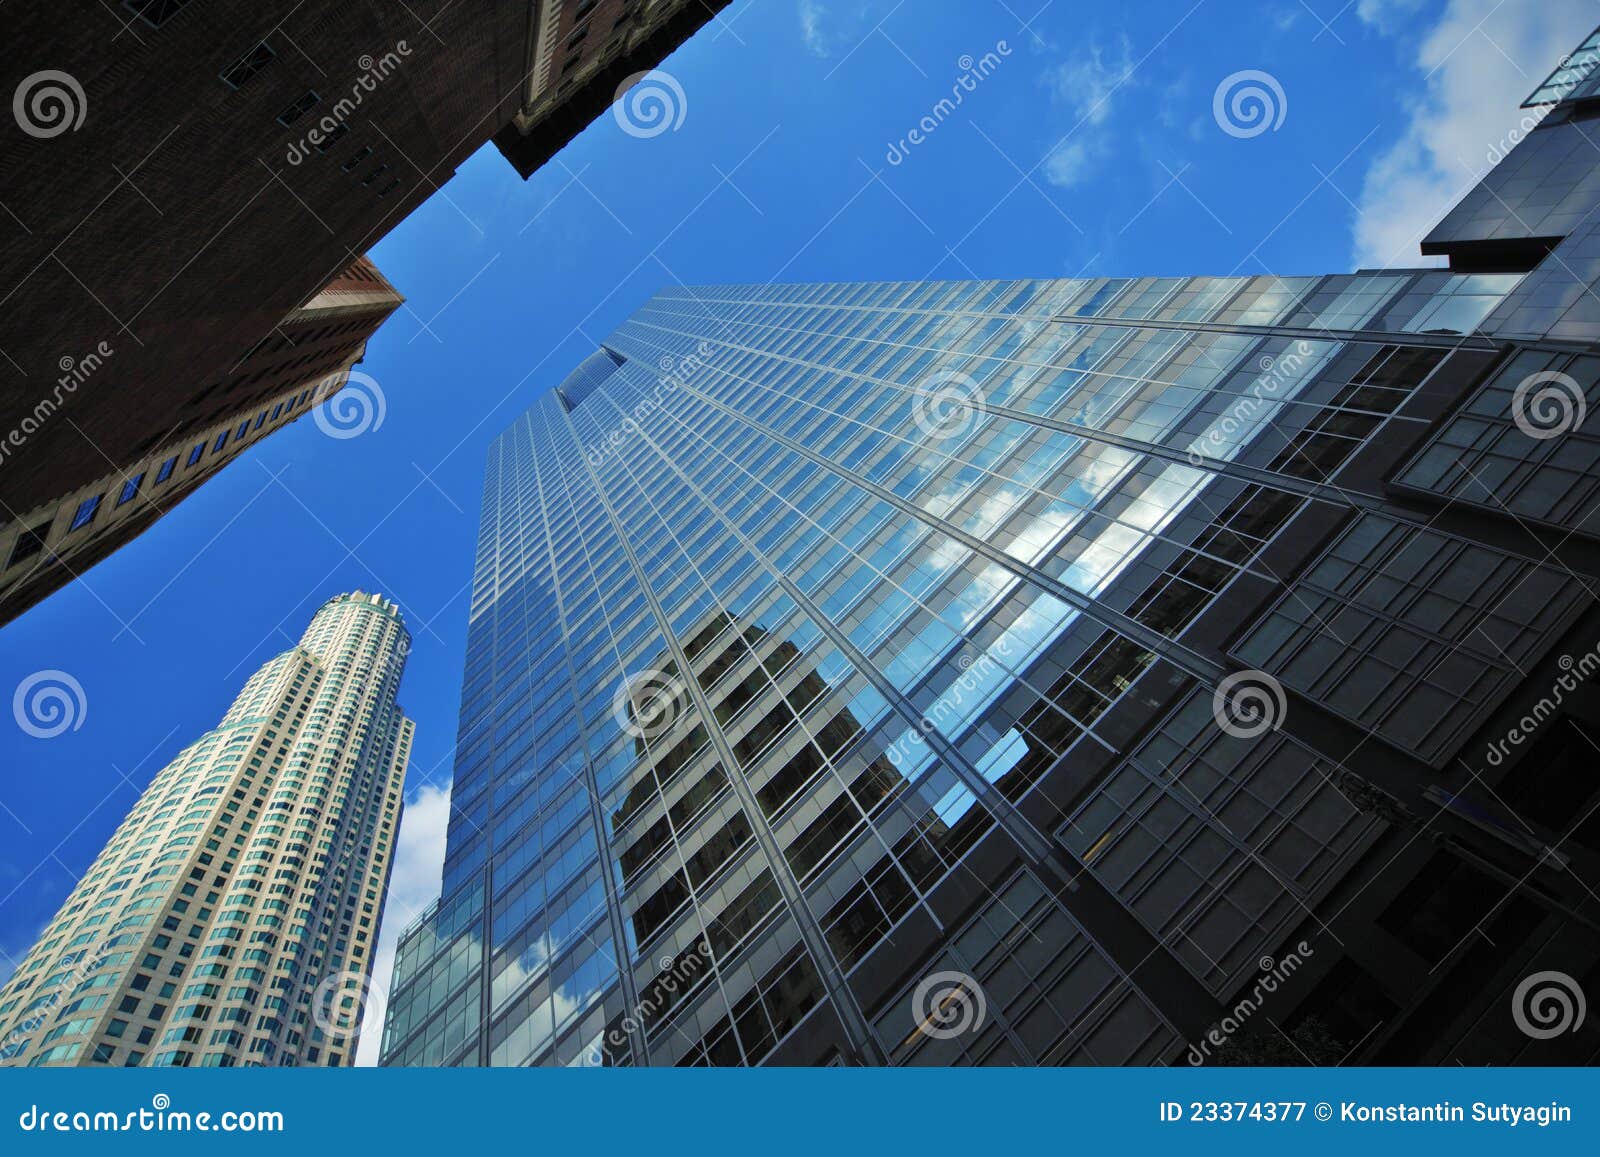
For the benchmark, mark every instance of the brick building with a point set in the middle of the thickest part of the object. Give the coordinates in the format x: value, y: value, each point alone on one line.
x: 179, y: 175
x: 305, y: 360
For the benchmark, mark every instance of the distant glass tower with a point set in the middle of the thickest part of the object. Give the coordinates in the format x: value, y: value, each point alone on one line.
x: 232, y: 917
x: 1038, y: 672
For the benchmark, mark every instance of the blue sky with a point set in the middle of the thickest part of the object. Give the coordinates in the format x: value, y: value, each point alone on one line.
x: 1088, y: 147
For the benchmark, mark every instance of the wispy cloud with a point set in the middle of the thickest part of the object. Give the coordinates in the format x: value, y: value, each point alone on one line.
x: 812, y: 18
x: 1387, y: 15
x: 1479, y: 61
x: 1086, y: 85
x: 1068, y: 165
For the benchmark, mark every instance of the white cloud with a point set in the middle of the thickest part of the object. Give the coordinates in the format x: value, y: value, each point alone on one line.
x: 811, y: 19
x: 837, y: 30
x: 414, y: 884
x: 1068, y: 165
x: 1175, y: 105
x: 1480, y: 61
x: 1087, y: 83
x: 1086, y: 86
x: 1385, y: 15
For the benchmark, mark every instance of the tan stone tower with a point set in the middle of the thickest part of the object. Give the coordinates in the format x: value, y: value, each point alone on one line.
x: 232, y: 918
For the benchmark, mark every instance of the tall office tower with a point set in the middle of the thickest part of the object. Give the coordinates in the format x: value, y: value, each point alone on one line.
x: 304, y: 361
x: 1122, y: 670
x: 180, y: 175
x: 232, y: 917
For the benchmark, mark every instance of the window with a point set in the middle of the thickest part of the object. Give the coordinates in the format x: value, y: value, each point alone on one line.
x: 299, y: 108
x: 248, y: 65
x: 1570, y: 71
x: 261, y: 419
x: 87, y: 509
x: 1429, y: 619
x: 244, y: 428
x: 194, y: 455
x: 389, y: 188
x: 29, y: 543
x: 276, y: 410
x: 356, y: 158
x: 166, y: 470
x: 222, y: 440
x: 1482, y: 455
x: 130, y: 490
x: 59, y: 1053
x: 155, y: 12
x: 329, y: 139
x: 1462, y: 302
x: 374, y: 175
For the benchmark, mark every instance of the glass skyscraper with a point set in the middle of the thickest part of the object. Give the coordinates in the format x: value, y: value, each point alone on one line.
x: 231, y: 919
x: 1090, y: 671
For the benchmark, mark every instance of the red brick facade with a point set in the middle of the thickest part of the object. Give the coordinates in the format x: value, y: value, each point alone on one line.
x: 194, y: 207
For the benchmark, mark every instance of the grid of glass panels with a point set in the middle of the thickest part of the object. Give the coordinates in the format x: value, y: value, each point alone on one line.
x: 1412, y: 633
x: 887, y: 552
x: 1528, y: 442
x: 1567, y: 76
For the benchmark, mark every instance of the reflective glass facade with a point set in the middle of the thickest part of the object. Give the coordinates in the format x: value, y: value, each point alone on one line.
x: 829, y: 638
x: 1136, y: 670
